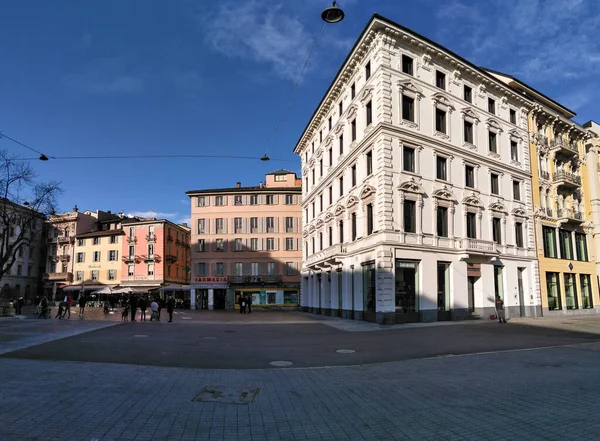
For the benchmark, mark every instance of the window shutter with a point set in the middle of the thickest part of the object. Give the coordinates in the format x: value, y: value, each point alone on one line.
x: 116, y: 254
x: 207, y: 201
x: 262, y: 225
x: 225, y: 199
x: 295, y: 247
x: 213, y: 269
x: 262, y: 268
x: 276, y: 224
x: 244, y: 224
x: 246, y: 268
x: 275, y: 199
x: 260, y: 244
x: 225, y: 221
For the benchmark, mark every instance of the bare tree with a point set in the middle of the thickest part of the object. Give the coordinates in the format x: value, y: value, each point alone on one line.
x: 24, y: 204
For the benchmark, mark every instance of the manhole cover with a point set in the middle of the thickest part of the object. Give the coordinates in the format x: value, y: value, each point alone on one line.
x: 140, y: 335
x: 227, y: 394
x: 209, y: 338
x: 186, y: 318
x: 281, y: 363
x: 345, y: 351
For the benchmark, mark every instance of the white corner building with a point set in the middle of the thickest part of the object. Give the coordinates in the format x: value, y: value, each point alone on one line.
x: 417, y: 201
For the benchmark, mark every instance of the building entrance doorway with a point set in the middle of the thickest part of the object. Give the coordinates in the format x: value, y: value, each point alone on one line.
x: 407, y: 301
x: 520, y: 272
x: 443, y: 292
x: 202, y: 299
x: 471, y: 280
x: 220, y: 297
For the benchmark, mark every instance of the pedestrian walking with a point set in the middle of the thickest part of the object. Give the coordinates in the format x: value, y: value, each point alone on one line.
x: 69, y: 302
x: 43, y: 308
x: 155, y: 314
x: 500, y: 310
x: 249, y: 303
x: 170, y: 308
x: 82, y: 301
x: 242, y: 304
x: 134, y: 305
x: 61, y: 310
x: 142, y: 304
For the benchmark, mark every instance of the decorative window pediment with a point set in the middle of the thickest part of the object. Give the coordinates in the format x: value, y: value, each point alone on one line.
x: 410, y: 88
x: 444, y: 193
x: 470, y: 113
x: 519, y: 212
x: 352, y: 201
x: 497, y: 206
x: 339, y: 210
x: 305, y: 171
x: 411, y: 186
x: 340, y: 128
x: 352, y: 112
x: 442, y: 100
x: 472, y: 201
x: 367, y: 192
x: 319, y: 223
x: 319, y: 153
x: 328, y: 217
x: 493, y: 124
x: 366, y: 94
x: 514, y: 134
x: 328, y: 140
x: 305, y: 233
x: 311, y: 229
x: 311, y: 162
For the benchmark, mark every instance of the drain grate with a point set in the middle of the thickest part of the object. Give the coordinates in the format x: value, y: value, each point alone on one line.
x: 227, y: 394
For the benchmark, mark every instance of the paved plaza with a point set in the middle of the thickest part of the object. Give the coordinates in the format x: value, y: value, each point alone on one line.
x: 292, y: 376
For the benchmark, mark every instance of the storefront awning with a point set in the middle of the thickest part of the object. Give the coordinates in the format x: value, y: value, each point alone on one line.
x: 85, y: 288
x: 175, y: 288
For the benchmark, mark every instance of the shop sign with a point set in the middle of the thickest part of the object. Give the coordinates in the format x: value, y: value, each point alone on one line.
x: 400, y: 264
x: 210, y: 279
x: 474, y: 269
x: 210, y: 286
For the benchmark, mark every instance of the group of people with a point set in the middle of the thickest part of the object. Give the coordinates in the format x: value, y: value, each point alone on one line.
x: 142, y: 304
x: 64, y: 307
x: 245, y: 302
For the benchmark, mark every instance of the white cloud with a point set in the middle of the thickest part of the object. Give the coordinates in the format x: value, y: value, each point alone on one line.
x: 106, y: 76
x: 576, y: 99
x: 150, y: 213
x: 542, y: 40
x: 184, y: 220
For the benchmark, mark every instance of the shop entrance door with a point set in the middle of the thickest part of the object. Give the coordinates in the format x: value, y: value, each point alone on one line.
x: 471, y: 293
x: 220, y: 298
x: 443, y: 291
x: 520, y: 272
x: 407, y: 305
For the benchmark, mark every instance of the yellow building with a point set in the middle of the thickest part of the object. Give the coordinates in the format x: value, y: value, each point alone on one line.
x: 562, y: 197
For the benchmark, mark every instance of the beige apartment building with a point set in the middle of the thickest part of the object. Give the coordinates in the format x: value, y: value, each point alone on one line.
x: 246, y: 241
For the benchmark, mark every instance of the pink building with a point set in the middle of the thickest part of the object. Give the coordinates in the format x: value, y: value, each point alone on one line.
x: 246, y: 241
x: 155, y: 253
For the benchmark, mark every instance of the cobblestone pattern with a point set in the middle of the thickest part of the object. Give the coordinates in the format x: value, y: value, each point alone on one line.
x: 537, y: 394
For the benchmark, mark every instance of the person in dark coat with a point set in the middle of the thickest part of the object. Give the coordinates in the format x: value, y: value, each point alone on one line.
x: 170, y: 308
x: 142, y: 306
x: 249, y: 303
x: 134, y: 305
x: 82, y: 301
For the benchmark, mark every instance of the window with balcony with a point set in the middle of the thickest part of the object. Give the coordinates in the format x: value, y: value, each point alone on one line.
x: 408, y: 159
x: 581, y: 244
x: 471, y: 219
x: 468, y: 132
x: 519, y: 234
x: 566, y: 244
x: 492, y: 105
x: 369, y: 113
x: 150, y: 250
x: 492, y: 137
x: 440, y: 121
x: 410, y: 219
x: 549, y: 236
x: 467, y: 94
x: 441, y: 169
x: 408, y: 108
x: 469, y: 176
x: 497, y: 230
x: 270, y: 225
x: 442, y: 221
x: 113, y: 255
x: 407, y: 64
x: 440, y: 80
x: 494, y: 184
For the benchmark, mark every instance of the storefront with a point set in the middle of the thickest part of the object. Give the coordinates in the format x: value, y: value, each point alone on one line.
x: 209, y: 293
x: 407, y: 289
x: 271, y: 298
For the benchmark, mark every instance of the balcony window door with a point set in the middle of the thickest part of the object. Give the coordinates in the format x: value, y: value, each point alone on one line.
x: 150, y: 249
x: 254, y: 268
x: 442, y: 221
x: 471, y: 220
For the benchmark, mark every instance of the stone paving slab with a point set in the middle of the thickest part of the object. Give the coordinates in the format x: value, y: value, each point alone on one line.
x: 548, y: 394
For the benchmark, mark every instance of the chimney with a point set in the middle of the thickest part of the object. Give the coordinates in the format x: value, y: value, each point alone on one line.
x: 238, y: 185
x: 121, y: 215
x: 75, y: 209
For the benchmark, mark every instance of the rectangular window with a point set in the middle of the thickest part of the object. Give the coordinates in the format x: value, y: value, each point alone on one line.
x: 312, y: 172
x: 237, y: 225
x: 516, y: 190
x: 270, y: 243
x: 80, y: 242
x: 368, y: 70
x: 440, y: 79
x: 254, y: 244
x: 202, y: 269
x: 581, y: 244
x: 519, y: 234
x: 270, y: 224
x: 468, y: 94
x: 253, y: 199
x: 408, y: 156
x: 341, y: 107
x: 586, y: 291
x: 219, y: 245
x: 341, y: 229
x: 369, y: 160
x: 201, y: 201
x: 219, y: 225
x: 289, y: 243
x: 95, y: 274
x: 329, y: 123
x: 566, y: 244
x: 201, y: 246
x: 514, y: 150
x: 494, y: 186
x: 289, y: 224
x: 353, y: 226
x: 440, y: 120
x: 330, y: 157
x: 289, y: 199
x: 571, y: 291
x: 353, y: 174
x: 96, y: 241
x: 553, y: 289
x: 219, y: 269
x: 441, y: 171
x: 130, y: 270
x: 369, y: 219
x: 469, y: 176
x: 239, y: 244
x: 352, y: 91
x: 79, y: 275
x: 271, y: 199
x: 320, y: 167
x: 498, y: 282
x: 254, y: 225
x: 513, y: 116
x: 219, y: 201
x: 549, y: 242
x: 341, y: 186
x: 330, y: 236
x: 410, y: 224
x: 492, y: 142
x: 496, y: 230
x: 471, y: 226
x: 237, y: 200
x: 201, y: 226
x: 341, y: 140
x: 353, y: 127
x: 320, y: 137
x: 331, y: 195
x: 369, y: 113
x: 442, y: 221
x: 112, y: 274
x: 80, y: 257
x: 96, y: 256
x: 112, y: 239
x: 407, y: 64
x: 112, y: 255
x: 290, y: 270
x: 468, y: 130
x: 491, y: 105
x: 408, y: 108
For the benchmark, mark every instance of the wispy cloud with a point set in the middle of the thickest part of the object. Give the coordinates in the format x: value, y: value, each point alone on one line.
x: 156, y: 214
x: 542, y: 40
x: 106, y: 76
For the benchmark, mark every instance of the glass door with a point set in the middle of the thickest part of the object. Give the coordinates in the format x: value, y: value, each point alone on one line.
x: 369, y: 279
x: 571, y: 291
x: 443, y: 291
x: 520, y: 272
x: 471, y: 293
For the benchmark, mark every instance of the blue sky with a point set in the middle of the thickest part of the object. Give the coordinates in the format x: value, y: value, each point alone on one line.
x: 198, y: 77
